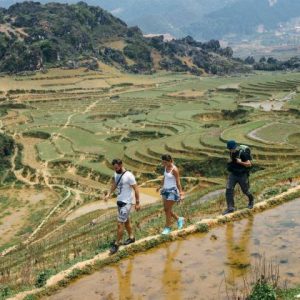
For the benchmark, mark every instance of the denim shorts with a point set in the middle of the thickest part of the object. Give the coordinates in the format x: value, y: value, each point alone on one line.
x: 170, y: 194
x: 123, y: 212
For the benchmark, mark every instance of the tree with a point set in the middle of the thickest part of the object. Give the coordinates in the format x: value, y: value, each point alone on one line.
x: 3, y: 44
x: 49, y: 51
x: 250, y: 60
x: 212, y: 45
x: 262, y: 59
x: 228, y: 52
x: 272, y: 60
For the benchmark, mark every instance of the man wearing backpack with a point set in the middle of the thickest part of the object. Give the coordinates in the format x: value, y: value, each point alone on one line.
x: 238, y: 167
x: 124, y: 183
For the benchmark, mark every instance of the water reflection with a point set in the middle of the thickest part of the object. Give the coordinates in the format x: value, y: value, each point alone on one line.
x: 169, y: 286
x: 171, y: 277
x: 124, y: 280
x: 238, y: 250
x: 195, y: 268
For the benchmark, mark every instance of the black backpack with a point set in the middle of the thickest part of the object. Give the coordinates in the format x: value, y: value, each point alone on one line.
x: 245, y: 149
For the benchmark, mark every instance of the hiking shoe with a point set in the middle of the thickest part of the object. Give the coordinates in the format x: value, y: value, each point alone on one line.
x: 180, y: 223
x: 250, y: 204
x: 129, y: 241
x: 228, y: 211
x: 166, y: 230
x: 114, y: 249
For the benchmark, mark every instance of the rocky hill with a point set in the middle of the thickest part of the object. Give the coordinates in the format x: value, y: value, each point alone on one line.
x: 36, y: 36
x: 202, y: 19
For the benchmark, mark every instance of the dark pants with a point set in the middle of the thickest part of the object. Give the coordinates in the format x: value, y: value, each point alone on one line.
x: 243, y: 181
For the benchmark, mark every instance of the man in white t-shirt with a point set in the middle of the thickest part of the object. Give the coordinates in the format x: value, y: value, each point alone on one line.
x: 124, y: 183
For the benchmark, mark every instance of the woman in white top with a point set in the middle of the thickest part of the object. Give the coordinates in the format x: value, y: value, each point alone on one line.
x: 171, y: 192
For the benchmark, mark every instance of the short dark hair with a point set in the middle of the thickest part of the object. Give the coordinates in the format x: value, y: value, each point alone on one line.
x: 116, y: 161
x: 167, y: 157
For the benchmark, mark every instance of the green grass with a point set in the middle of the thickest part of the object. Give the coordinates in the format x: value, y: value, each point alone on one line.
x: 288, y: 294
x: 278, y: 132
x: 47, y: 151
x: 294, y: 139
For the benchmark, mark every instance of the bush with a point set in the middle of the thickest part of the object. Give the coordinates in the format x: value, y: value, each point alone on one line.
x: 42, y: 278
x: 262, y: 291
x: 138, y: 52
x: 232, y: 114
x: 6, y: 150
x: 37, y: 134
x: 18, y: 160
x: 202, y: 228
x: 5, y: 291
x: 173, y: 64
x: 14, y: 105
x: 117, y: 56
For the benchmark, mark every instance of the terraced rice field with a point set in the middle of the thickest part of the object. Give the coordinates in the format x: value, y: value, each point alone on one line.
x: 74, y: 123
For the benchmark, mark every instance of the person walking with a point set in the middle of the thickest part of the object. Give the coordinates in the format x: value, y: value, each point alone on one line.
x: 125, y: 184
x: 238, y: 167
x: 171, y: 192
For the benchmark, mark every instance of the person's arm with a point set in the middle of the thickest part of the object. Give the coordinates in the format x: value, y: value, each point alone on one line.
x: 137, y: 196
x: 246, y: 163
x: 161, y: 185
x: 112, y: 188
x: 244, y: 160
x: 178, y: 183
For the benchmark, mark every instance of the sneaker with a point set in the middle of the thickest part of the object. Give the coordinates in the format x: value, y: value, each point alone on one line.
x: 250, y: 204
x: 180, y: 222
x: 129, y: 241
x: 228, y: 211
x: 166, y: 230
x: 114, y: 249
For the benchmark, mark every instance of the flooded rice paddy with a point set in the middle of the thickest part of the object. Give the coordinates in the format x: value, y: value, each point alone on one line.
x: 196, y: 268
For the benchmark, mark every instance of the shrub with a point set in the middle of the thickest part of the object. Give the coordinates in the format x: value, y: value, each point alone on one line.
x: 37, y: 134
x: 115, y: 55
x: 262, y: 291
x: 202, y: 228
x: 6, y: 150
x: 138, y: 52
x: 18, y: 160
x: 238, y: 113
x: 5, y: 291
x: 42, y: 278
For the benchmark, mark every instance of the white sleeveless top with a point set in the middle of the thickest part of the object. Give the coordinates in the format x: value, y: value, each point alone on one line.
x: 170, y: 180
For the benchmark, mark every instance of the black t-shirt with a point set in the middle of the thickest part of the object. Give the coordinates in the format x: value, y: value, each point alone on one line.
x: 236, y: 168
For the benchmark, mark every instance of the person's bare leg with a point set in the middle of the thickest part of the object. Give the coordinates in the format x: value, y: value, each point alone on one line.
x: 168, y: 211
x: 174, y: 216
x: 129, y: 228
x: 120, y: 233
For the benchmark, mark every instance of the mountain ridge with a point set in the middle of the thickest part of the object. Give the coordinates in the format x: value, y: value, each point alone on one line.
x: 244, y: 18
x: 216, y: 19
x: 36, y: 36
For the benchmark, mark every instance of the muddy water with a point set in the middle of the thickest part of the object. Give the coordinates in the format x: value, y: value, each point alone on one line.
x: 195, y: 268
